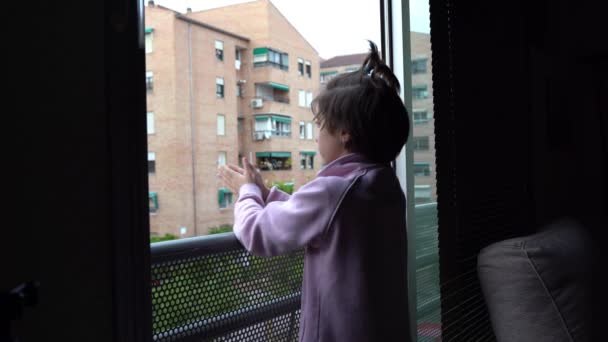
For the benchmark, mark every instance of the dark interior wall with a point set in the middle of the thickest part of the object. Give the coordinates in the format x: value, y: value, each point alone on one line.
x: 568, y: 80
x: 58, y: 229
x: 568, y: 85
x: 518, y: 129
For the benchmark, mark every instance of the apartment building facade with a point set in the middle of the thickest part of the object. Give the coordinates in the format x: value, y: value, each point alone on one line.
x: 422, y: 112
x: 223, y: 84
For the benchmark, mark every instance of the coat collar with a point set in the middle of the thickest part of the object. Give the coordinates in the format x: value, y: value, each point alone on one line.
x: 346, y: 165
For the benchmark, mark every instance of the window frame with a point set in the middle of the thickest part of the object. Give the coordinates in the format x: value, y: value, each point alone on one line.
x: 150, y: 123
x: 219, y: 88
x: 220, y: 129
x: 219, y: 50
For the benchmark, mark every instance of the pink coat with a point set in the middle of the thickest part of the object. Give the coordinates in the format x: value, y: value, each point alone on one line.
x: 351, y: 222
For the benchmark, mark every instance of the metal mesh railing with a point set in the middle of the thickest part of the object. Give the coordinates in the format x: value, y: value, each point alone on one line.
x: 210, y: 289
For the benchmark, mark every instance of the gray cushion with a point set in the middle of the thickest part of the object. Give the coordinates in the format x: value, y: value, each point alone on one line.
x: 536, y: 286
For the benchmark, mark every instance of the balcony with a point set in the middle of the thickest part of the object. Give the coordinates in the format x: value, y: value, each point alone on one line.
x: 271, y: 91
x: 271, y: 125
x: 210, y: 288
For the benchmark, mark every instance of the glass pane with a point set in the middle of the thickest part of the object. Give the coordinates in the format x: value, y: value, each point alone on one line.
x: 428, y: 308
x: 231, y: 65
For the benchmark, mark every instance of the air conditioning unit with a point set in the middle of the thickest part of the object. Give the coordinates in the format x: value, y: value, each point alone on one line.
x: 257, y: 103
x: 258, y: 136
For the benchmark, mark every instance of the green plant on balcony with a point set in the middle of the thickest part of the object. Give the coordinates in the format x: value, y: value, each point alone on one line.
x: 225, y: 228
x: 286, y: 187
x: 166, y: 237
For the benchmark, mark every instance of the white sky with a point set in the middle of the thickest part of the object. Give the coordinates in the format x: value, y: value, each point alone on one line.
x: 333, y: 27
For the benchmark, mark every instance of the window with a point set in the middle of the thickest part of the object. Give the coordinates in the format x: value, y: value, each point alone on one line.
x: 308, y: 99
x: 272, y: 125
x: 224, y: 198
x: 327, y: 75
x: 351, y: 69
x: 300, y: 66
x: 219, y: 50
x: 419, y: 66
x: 421, y: 143
x: 151, y: 162
x: 153, y: 201
x: 267, y: 161
x: 221, y: 158
x: 422, y: 169
x: 420, y: 117
x: 422, y: 194
x: 281, y: 129
x: 239, y: 89
x: 302, y: 130
x: 309, y: 131
x: 150, y: 123
x: 148, y: 43
x: 221, y: 124
x: 272, y: 91
x: 307, y: 159
x: 420, y: 92
x: 308, y: 69
x: 149, y: 80
x: 266, y: 56
x: 237, y: 59
x: 219, y: 87
x: 302, y: 98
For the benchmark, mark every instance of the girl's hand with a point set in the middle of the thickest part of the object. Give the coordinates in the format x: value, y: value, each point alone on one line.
x: 234, y: 177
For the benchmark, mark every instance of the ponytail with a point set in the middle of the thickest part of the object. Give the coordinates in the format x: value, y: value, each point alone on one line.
x: 376, y: 69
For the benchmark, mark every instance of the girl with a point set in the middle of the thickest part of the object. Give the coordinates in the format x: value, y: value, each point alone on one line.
x: 350, y: 219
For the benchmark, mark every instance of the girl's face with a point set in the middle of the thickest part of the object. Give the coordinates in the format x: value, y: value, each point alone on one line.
x: 331, y: 146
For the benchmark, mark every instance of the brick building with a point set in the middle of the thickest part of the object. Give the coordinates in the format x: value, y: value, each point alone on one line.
x: 422, y: 113
x: 223, y: 83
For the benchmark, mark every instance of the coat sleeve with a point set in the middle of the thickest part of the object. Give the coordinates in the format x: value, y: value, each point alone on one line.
x: 279, y: 227
x: 277, y: 195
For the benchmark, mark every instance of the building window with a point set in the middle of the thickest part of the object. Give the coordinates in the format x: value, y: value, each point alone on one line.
x: 421, y: 143
x: 221, y: 158
x: 272, y: 91
x: 327, y: 75
x: 149, y: 80
x: 224, y: 198
x: 422, y: 194
x: 302, y: 130
x: 419, y: 66
x: 307, y: 160
x: 420, y: 92
x: 300, y: 66
x: 221, y: 124
x: 267, y: 126
x: 149, y: 39
x: 219, y: 87
x: 421, y: 117
x: 309, y: 131
x: 219, y: 50
x: 302, y: 98
x: 153, y: 202
x: 308, y: 69
x: 308, y: 99
x: 266, y: 56
x: 267, y: 161
x: 150, y: 123
x: 237, y: 59
x: 352, y: 69
x: 422, y: 169
x: 151, y: 162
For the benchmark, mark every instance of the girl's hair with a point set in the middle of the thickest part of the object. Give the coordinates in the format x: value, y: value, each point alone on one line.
x: 366, y: 104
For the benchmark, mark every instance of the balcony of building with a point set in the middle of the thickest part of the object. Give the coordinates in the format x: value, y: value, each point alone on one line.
x: 210, y: 288
x: 271, y: 91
